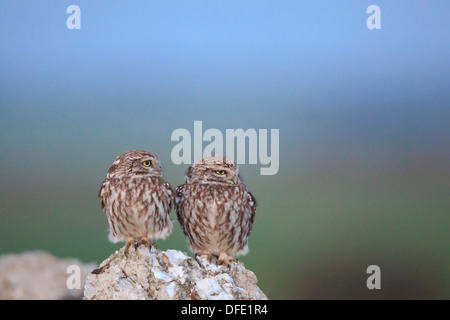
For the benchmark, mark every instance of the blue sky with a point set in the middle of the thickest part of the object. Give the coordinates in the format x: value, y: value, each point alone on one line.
x: 201, y: 51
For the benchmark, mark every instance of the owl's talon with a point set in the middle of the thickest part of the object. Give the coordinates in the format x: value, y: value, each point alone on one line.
x: 224, y: 260
x: 128, y: 244
x: 146, y: 243
x: 208, y: 254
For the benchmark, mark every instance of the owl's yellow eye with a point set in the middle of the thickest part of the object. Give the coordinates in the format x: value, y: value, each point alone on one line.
x: 221, y: 172
x: 147, y: 163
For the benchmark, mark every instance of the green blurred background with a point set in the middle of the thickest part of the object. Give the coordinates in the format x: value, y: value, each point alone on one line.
x: 364, y: 120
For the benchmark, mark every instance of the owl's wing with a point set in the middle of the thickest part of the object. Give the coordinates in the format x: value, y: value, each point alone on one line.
x: 179, y: 196
x: 171, y: 194
x: 249, y: 209
x: 103, y: 193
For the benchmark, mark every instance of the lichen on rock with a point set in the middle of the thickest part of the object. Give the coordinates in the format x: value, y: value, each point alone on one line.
x: 169, y: 275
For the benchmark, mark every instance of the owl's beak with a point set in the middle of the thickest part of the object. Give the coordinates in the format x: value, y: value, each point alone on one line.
x: 235, y: 180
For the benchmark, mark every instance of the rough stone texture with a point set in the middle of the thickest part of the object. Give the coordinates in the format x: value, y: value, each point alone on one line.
x: 38, y: 275
x: 169, y: 275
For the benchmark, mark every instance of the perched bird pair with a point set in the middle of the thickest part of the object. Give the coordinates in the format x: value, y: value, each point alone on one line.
x: 215, y: 209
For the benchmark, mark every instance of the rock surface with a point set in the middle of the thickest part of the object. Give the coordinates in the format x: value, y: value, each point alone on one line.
x: 169, y: 275
x: 39, y: 275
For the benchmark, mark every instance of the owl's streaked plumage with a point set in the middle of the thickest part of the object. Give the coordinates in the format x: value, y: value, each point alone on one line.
x: 215, y: 209
x: 136, y: 199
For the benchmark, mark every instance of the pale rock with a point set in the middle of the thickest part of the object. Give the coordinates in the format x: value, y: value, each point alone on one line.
x: 38, y: 275
x: 169, y: 275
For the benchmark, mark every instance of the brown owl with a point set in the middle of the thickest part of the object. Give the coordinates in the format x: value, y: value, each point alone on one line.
x: 215, y: 209
x: 137, y: 200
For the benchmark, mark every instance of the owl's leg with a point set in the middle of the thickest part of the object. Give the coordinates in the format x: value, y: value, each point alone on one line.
x: 128, y: 244
x: 225, y: 259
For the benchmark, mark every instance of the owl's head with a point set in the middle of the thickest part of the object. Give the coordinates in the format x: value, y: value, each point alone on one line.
x: 135, y: 163
x: 213, y: 169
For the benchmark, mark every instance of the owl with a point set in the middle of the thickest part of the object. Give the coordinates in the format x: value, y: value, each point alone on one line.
x: 136, y: 200
x: 215, y: 209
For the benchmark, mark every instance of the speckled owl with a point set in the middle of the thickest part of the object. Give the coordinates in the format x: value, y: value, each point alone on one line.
x: 136, y: 200
x: 215, y: 209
